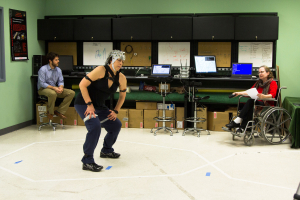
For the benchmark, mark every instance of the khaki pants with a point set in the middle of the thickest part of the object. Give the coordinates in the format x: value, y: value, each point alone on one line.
x: 67, y: 95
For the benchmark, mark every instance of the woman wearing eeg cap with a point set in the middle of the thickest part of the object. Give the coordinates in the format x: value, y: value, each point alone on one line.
x: 95, y: 88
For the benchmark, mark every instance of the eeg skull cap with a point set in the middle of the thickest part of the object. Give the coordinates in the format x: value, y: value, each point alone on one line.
x: 115, y: 55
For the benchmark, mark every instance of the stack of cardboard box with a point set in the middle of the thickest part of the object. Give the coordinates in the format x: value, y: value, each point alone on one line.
x: 123, y: 117
x: 142, y: 116
x: 71, y: 114
x: 150, y: 111
x: 180, y: 118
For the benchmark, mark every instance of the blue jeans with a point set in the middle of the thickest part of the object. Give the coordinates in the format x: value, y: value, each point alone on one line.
x: 94, y: 130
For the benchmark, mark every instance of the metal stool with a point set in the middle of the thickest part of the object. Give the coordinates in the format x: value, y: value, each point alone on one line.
x: 196, y: 119
x: 44, y: 100
x: 163, y: 118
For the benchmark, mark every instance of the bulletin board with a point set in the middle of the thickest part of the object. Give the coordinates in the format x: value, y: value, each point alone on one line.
x: 137, y: 53
x: 64, y: 48
x: 258, y: 53
x: 96, y: 53
x: 175, y: 53
x: 222, y: 51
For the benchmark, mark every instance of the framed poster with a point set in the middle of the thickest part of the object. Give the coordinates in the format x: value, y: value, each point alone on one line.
x: 18, y: 35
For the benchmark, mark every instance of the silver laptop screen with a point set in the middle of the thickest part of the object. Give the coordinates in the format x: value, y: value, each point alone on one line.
x: 164, y: 70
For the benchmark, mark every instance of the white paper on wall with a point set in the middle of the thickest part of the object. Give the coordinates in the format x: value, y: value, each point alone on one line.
x: 258, y: 53
x: 95, y: 53
x: 175, y: 53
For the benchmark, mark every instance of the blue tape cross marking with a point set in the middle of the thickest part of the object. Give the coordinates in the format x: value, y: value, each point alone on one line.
x: 207, y: 173
x: 108, y: 167
x: 18, y: 161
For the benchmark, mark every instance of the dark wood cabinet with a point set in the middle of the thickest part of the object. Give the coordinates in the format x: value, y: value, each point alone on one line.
x: 92, y: 29
x: 172, y: 29
x: 55, y: 29
x: 132, y: 29
x: 256, y: 28
x: 213, y: 28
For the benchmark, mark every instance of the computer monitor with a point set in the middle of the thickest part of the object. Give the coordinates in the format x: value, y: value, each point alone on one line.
x: 205, y: 64
x: 66, y: 64
x: 242, y: 70
x: 161, y: 70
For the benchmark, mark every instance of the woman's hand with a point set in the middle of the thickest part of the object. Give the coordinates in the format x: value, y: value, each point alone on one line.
x: 237, y: 94
x: 261, y: 96
x: 90, y: 110
x: 112, y: 115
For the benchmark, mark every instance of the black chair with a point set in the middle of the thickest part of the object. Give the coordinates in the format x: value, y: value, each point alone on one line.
x: 195, y: 119
x: 44, y: 100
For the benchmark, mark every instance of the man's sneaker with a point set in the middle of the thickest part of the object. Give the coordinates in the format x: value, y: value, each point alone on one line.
x: 109, y: 155
x: 92, y: 167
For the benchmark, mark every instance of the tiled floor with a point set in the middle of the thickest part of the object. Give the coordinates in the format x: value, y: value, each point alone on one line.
x: 46, y: 165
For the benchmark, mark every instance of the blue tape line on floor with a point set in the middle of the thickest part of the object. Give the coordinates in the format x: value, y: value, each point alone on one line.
x: 108, y: 167
x: 207, y: 173
x: 18, y: 161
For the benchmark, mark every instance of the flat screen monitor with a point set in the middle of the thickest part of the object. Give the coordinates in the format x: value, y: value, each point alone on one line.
x: 205, y: 64
x: 66, y: 63
x: 161, y: 70
x: 243, y: 70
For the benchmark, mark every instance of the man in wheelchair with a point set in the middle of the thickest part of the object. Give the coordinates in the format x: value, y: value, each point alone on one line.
x: 266, y: 88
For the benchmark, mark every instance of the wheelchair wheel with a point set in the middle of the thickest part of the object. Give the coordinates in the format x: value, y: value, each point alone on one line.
x: 248, y: 139
x: 273, y: 125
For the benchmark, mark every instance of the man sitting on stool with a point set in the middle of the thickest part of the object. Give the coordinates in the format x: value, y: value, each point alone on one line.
x: 51, y: 84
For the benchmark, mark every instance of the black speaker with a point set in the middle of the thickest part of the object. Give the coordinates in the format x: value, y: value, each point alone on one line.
x: 37, y: 62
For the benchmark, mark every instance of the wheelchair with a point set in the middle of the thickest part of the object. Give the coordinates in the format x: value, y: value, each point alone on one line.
x: 269, y: 122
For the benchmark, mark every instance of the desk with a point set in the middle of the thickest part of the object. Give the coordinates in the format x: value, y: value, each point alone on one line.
x: 294, y: 111
x: 207, y: 82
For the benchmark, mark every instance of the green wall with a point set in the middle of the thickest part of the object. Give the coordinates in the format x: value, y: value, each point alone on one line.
x: 288, y: 52
x: 16, y: 92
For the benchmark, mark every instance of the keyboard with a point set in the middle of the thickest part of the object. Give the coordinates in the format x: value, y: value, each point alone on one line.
x: 77, y: 74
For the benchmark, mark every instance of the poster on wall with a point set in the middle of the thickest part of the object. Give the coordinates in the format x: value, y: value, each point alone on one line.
x: 18, y: 35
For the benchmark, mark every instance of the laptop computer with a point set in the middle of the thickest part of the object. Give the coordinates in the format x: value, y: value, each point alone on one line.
x: 241, y: 70
x: 161, y: 70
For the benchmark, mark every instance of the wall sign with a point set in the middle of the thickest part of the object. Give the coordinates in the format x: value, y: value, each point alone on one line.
x: 18, y: 35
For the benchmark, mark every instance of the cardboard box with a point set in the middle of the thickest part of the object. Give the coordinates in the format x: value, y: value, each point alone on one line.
x: 149, y: 122
x: 146, y: 105
x: 123, y: 117
x: 136, y: 118
x: 167, y: 106
x: 79, y: 121
x: 72, y: 117
x: 162, y: 87
x: 232, y: 112
x: 40, y: 109
x: 180, y: 118
x: 169, y: 113
x: 57, y: 119
x: 216, y: 120
x: 203, y: 114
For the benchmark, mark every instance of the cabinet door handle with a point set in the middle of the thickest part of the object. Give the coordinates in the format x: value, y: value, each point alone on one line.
x: 171, y: 36
x: 212, y: 37
x: 131, y: 38
x: 54, y: 38
x: 92, y: 38
x: 255, y: 37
